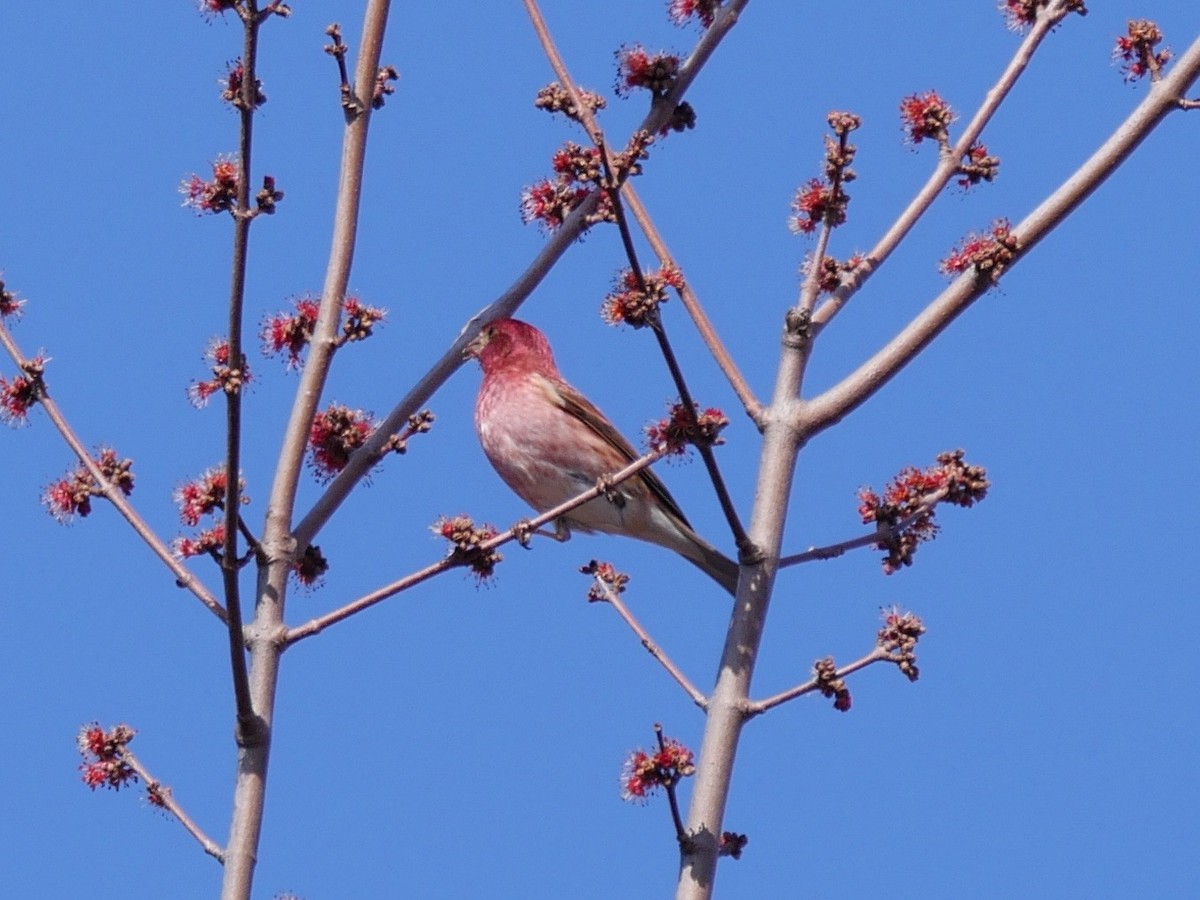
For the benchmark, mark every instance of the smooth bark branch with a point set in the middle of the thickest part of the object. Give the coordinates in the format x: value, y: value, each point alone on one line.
x: 839, y: 401
x: 265, y: 635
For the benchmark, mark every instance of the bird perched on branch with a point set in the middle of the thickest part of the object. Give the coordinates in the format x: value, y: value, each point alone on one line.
x: 550, y: 443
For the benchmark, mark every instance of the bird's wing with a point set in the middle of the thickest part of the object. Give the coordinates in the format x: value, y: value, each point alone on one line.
x: 571, y: 401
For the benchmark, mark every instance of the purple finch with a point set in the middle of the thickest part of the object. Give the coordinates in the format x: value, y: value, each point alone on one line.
x: 550, y: 443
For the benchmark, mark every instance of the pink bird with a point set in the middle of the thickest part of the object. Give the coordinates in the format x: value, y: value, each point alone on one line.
x: 550, y: 443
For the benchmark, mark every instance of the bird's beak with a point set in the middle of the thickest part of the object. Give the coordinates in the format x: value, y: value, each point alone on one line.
x: 473, y: 349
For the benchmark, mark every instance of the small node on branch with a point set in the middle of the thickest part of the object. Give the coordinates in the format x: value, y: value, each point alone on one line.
x: 310, y: 567
x: 825, y: 671
x: 71, y: 495
x: 899, y: 636
x: 988, y: 254
x: 683, y: 118
x: 266, y: 199
x: 383, y: 85
x: 277, y: 8
x: 977, y: 165
x: 926, y: 116
x: 103, y: 756
x: 1136, y: 53
x: 635, y: 301
x: 704, y: 11
x: 604, y: 574
x: 833, y: 273
x: 672, y: 435
x: 226, y: 377
x: 10, y: 305
x: 554, y: 98
x: 732, y: 844
x: 636, y: 68
x: 336, y: 433
x: 233, y: 85
x: 18, y: 396
x: 466, y: 536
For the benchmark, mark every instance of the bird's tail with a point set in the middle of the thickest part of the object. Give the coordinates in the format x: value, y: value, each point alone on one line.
x: 715, y: 564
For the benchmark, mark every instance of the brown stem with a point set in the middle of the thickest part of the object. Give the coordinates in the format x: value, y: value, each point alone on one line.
x: 614, y: 600
x: 945, y: 170
x: 111, y: 493
x: 854, y: 390
x: 524, y: 527
x: 759, y: 707
x: 166, y: 799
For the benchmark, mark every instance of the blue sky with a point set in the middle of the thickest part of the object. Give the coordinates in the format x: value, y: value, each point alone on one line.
x: 465, y: 742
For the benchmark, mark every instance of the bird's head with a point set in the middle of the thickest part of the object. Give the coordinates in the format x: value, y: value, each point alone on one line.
x: 511, y: 343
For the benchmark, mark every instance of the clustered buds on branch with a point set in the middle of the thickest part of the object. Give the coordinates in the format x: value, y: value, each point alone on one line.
x: 226, y: 377
x: 336, y: 433
x: 466, y: 536
x: 825, y: 671
x: 204, y: 495
x: 554, y: 98
x: 217, y: 195
x: 605, y: 574
x: 905, y: 513
x: 833, y: 272
x: 311, y: 566
x: 645, y: 771
x: 705, y: 11
x: 103, y: 753
x: 10, y: 306
x: 824, y: 200
x: 899, y: 636
x: 291, y: 332
x: 988, y: 254
x: 672, y: 435
x: 926, y: 116
x: 1135, y: 50
x: 635, y: 301
x: 18, y: 396
x: 637, y: 68
x: 72, y: 494
x: 383, y: 85
x: 233, y: 83
x: 977, y: 165
x: 578, y: 171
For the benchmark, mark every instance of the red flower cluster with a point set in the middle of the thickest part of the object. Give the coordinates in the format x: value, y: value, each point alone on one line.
x: 987, y: 253
x: 208, y: 541
x: 71, y: 495
x: 336, y: 433
x: 816, y: 202
x: 18, y: 396
x: 218, y: 195
x: 911, y: 496
x: 636, y: 68
x: 550, y: 202
x: 466, y: 536
x: 833, y: 272
x: 1135, y: 50
x: 682, y: 427
x: 290, y: 332
x: 103, y: 751
x: 204, y: 495
x: 225, y: 378
x: 704, y: 11
x: 9, y: 304
x: 925, y: 116
x: 635, y: 302
x: 311, y: 567
x: 233, y: 82
x: 644, y: 772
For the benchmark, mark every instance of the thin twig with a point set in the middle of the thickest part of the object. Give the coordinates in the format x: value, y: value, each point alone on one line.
x: 758, y: 707
x: 166, y: 799
x: 518, y: 531
x: 111, y: 493
x: 614, y: 600
x: 946, y: 168
x: 881, y: 535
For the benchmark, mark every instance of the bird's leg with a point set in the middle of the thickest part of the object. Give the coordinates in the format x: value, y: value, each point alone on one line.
x: 605, y: 486
x: 524, y: 534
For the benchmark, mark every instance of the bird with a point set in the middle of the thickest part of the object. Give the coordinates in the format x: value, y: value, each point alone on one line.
x: 549, y: 443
